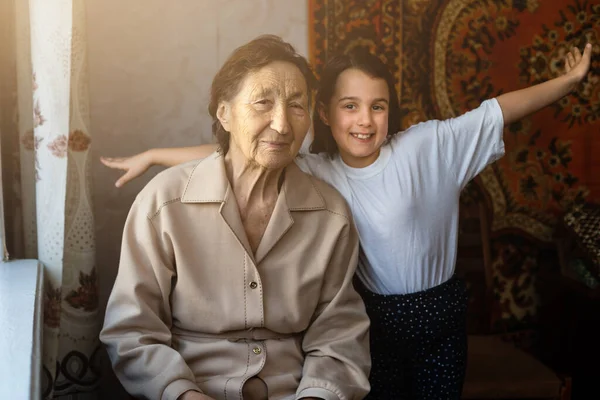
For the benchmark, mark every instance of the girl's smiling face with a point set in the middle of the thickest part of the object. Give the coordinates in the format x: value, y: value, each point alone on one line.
x: 358, y: 116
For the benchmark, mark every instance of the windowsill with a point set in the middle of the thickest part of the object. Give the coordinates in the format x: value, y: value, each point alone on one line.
x: 21, y: 311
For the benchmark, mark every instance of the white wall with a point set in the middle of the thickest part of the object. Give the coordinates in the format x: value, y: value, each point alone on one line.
x: 151, y: 64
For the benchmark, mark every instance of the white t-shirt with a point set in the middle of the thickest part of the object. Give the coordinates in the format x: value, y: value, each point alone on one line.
x: 405, y: 204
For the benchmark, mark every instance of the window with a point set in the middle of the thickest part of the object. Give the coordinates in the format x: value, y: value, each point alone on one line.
x: 4, y: 254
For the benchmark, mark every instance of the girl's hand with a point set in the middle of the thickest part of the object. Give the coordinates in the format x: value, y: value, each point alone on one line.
x: 578, y: 65
x: 133, y: 166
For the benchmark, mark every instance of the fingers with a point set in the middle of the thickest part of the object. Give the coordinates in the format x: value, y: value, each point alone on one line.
x: 113, y: 162
x: 106, y: 161
x: 570, y: 61
x: 117, y: 163
x: 574, y: 57
x: 124, y: 179
x: 587, y: 51
x: 577, y: 55
x: 113, y: 159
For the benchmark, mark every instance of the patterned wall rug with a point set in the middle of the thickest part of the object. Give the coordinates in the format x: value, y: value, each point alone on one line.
x: 337, y: 26
x: 448, y: 56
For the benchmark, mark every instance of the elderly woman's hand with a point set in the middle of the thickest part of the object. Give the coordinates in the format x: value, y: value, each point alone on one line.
x: 193, y: 395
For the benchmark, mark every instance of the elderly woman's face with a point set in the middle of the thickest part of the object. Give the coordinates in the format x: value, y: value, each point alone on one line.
x: 269, y: 117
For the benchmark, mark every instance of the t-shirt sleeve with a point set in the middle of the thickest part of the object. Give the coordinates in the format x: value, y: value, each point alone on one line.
x: 472, y: 141
x: 317, y: 165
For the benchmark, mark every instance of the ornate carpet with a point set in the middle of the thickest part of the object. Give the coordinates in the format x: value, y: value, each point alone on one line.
x: 448, y: 56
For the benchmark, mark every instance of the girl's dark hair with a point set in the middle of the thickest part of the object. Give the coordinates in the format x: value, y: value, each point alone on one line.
x: 250, y: 57
x: 371, y: 65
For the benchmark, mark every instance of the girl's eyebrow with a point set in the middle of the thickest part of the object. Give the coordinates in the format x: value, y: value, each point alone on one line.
x: 381, y: 99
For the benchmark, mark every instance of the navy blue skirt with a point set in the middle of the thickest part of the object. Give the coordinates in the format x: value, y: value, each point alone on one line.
x: 418, y: 342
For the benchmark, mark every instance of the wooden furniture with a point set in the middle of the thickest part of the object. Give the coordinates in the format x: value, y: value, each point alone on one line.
x: 570, y: 318
x: 570, y: 331
x: 497, y: 369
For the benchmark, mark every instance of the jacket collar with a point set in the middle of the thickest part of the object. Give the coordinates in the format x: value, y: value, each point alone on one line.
x: 208, y: 183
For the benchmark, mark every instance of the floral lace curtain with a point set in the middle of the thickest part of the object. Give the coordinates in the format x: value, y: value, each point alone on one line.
x: 44, y: 121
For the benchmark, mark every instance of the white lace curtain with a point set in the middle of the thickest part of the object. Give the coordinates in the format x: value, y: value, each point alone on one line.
x: 44, y: 122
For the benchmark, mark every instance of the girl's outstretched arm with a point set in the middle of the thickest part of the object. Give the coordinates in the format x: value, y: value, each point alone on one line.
x: 136, y: 165
x: 520, y: 103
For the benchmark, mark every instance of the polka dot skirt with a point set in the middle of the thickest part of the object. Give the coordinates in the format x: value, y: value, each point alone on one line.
x: 418, y: 343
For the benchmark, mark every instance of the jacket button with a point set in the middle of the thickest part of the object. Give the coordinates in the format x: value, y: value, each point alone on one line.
x: 253, y: 285
x: 257, y: 350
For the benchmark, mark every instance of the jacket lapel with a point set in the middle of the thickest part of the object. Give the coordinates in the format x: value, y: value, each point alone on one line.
x: 280, y: 222
x: 298, y: 193
x: 208, y: 183
x: 230, y: 213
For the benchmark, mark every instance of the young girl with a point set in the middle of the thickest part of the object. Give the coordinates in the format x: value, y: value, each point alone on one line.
x: 403, y: 189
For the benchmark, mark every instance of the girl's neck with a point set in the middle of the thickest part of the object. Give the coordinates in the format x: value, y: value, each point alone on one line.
x: 359, y: 162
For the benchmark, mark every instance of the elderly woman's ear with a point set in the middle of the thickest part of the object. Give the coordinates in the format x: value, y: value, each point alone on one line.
x: 223, y: 114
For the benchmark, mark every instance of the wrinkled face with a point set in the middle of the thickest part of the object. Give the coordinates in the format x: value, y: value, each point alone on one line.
x: 269, y: 117
x: 358, y: 116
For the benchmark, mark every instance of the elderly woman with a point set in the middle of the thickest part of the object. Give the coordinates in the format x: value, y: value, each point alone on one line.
x: 239, y: 286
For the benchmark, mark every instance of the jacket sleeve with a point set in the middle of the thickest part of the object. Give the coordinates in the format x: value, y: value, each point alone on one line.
x: 137, y: 324
x: 336, y: 344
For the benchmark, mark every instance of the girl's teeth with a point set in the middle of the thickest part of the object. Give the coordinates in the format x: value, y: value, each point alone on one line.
x: 358, y: 135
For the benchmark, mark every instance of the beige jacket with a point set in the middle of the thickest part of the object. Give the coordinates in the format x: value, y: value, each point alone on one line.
x: 192, y: 308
